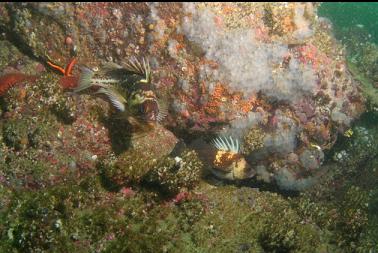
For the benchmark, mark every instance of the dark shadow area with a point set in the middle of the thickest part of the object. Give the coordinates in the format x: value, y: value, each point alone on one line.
x: 251, y: 183
x: 161, y: 193
x: 3, y: 105
x: 63, y: 115
x: 105, y: 181
x: 120, y: 133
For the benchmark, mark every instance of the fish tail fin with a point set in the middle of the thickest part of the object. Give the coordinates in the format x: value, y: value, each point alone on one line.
x: 85, y: 80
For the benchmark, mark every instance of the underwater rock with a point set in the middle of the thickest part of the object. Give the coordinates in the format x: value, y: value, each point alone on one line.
x: 225, y: 68
x: 157, y: 143
x: 173, y: 175
x: 75, y: 178
x: 253, y: 140
x: 128, y: 168
x: 144, y: 154
x: 361, y: 146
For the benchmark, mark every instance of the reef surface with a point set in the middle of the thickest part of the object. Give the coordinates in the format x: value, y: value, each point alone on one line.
x: 76, y: 178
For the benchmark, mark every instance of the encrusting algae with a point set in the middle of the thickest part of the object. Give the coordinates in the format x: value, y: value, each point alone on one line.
x: 11, y: 79
x: 91, y: 160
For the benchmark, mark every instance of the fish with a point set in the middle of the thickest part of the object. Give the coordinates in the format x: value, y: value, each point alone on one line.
x: 9, y: 80
x: 128, y: 88
x: 223, y: 158
x: 315, y: 146
x: 348, y: 133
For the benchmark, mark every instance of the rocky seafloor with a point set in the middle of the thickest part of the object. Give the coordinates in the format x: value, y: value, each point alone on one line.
x: 75, y: 178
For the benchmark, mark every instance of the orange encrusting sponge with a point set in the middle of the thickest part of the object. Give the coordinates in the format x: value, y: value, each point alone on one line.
x: 11, y: 79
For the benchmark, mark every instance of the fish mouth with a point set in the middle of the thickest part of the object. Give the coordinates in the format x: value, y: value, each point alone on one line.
x: 150, y: 110
x: 151, y: 116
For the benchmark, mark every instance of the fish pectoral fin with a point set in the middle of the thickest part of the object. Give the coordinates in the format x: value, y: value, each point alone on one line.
x: 163, y: 110
x: 116, y: 99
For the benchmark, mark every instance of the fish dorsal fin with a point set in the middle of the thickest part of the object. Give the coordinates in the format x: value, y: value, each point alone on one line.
x: 113, y: 69
x: 143, y: 69
x: 111, y: 66
x: 227, y: 144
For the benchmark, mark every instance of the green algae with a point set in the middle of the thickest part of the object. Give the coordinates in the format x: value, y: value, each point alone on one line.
x: 80, y: 214
x: 128, y: 168
x: 367, y: 86
x: 246, y: 220
x: 172, y: 175
x: 344, y: 203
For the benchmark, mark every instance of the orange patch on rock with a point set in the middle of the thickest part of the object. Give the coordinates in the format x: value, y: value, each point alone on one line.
x: 9, y: 80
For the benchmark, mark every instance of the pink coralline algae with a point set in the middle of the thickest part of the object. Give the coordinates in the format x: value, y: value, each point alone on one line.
x: 309, y: 54
x: 227, y: 69
x: 290, y: 85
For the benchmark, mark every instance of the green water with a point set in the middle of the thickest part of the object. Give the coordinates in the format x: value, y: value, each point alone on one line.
x: 344, y: 16
x: 356, y: 26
